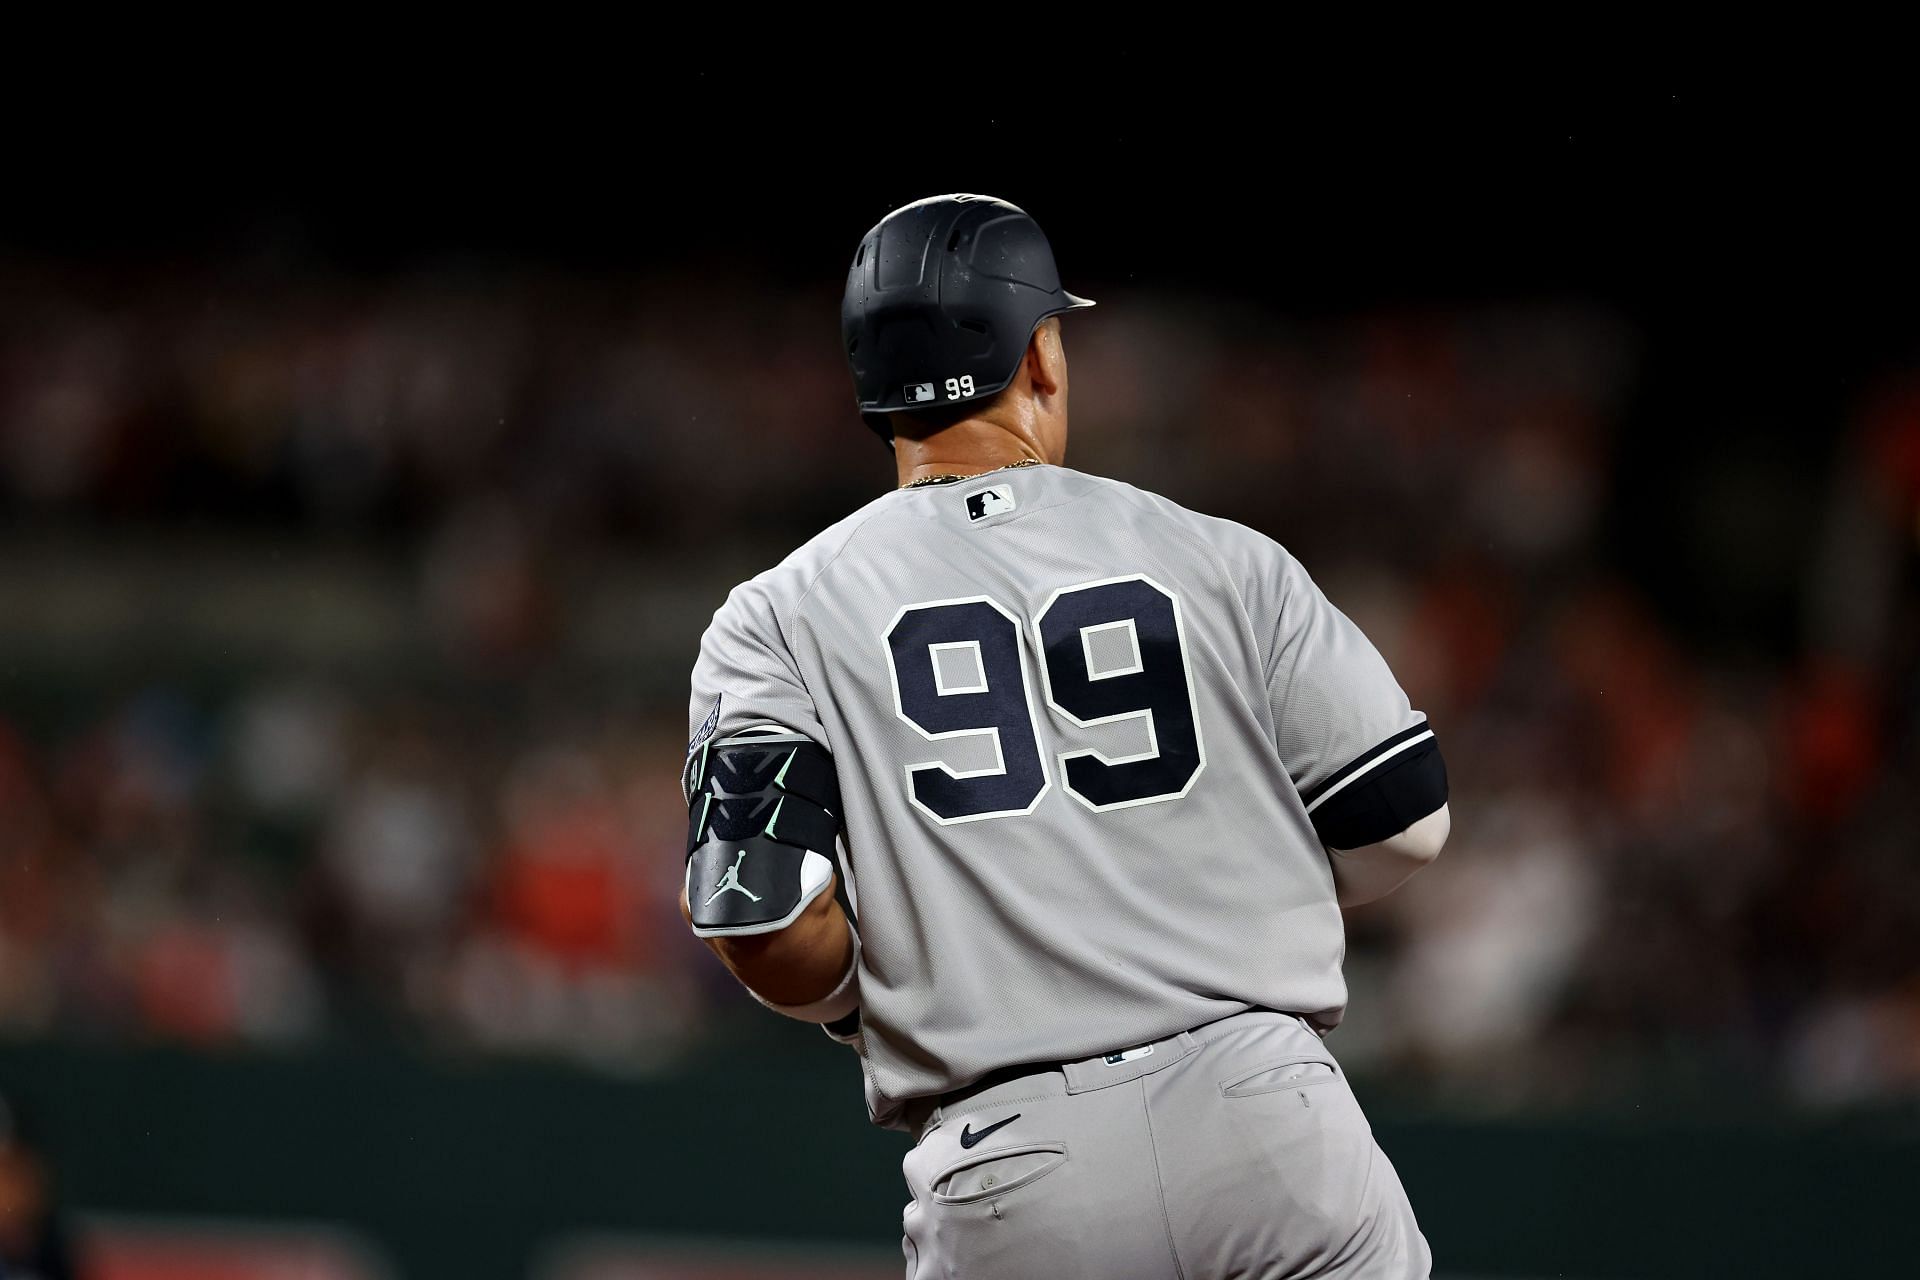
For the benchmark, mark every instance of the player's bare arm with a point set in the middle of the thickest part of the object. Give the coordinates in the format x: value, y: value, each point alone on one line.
x: 1373, y: 871
x: 763, y: 823
x: 797, y: 966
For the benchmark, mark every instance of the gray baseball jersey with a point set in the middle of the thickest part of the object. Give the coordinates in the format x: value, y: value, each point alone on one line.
x: 1078, y: 730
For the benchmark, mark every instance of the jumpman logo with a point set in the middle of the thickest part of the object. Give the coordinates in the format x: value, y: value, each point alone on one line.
x: 731, y: 880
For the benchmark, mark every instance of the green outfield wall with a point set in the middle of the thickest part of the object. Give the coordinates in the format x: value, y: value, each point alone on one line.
x: 476, y: 1168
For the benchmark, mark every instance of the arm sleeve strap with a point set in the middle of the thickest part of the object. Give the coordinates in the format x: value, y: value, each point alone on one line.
x: 761, y: 825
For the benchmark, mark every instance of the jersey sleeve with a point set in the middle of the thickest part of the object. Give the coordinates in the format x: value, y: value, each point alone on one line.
x: 746, y: 676
x: 1366, y: 764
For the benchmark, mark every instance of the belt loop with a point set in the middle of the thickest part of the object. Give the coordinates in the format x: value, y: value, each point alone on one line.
x: 921, y: 1114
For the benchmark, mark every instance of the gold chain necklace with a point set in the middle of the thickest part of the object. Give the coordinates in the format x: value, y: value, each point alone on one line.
x: 953, y: 478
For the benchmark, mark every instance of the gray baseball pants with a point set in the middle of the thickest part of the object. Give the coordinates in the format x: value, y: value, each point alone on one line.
x: 1233, y: 1150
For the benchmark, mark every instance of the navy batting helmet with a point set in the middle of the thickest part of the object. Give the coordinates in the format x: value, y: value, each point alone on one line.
x: 942, y: 299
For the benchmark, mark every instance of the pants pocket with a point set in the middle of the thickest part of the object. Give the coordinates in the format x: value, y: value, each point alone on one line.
x: 997, y: 1173
x: 1295, y: 1073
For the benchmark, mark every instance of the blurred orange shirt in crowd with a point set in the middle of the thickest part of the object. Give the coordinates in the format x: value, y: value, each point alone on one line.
x: 562, y: 888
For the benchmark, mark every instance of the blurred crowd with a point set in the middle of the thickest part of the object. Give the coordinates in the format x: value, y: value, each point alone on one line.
x: 1669, y: 860
x: 292, y: 863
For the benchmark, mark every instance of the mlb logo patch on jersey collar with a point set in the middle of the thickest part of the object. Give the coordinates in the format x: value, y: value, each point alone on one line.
x: 994, y: 501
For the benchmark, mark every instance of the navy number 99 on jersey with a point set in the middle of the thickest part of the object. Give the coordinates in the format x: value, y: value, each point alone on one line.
x: 1111, y: 651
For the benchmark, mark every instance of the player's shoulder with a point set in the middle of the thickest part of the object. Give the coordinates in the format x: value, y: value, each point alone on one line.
x: 1218, y: 535
x: 769, y: 597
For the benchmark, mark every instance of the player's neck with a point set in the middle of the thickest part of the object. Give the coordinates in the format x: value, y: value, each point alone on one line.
x: 966, y: 448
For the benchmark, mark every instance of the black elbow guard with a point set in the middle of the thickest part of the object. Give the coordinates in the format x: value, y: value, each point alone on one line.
x: 1382, y: 793
x: 762, y: 820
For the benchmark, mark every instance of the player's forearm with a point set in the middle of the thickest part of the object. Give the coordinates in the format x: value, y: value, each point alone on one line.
x: 1373, y: 871
x: 794, y: 966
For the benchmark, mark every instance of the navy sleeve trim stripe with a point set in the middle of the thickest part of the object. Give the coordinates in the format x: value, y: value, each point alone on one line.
x: 1407, y: 787
x: 1368, y: 761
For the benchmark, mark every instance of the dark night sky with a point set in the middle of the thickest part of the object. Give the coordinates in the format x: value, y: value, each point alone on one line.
x: 1310, y: 198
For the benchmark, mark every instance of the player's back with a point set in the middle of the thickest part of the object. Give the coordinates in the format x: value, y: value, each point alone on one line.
x: 1072, y: 724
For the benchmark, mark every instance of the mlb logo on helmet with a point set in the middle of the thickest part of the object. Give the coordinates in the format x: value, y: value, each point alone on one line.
x: 989, y: 502
x: 919, y: 391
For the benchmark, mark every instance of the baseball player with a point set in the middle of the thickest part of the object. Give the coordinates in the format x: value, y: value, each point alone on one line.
x: 1096, y: 775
